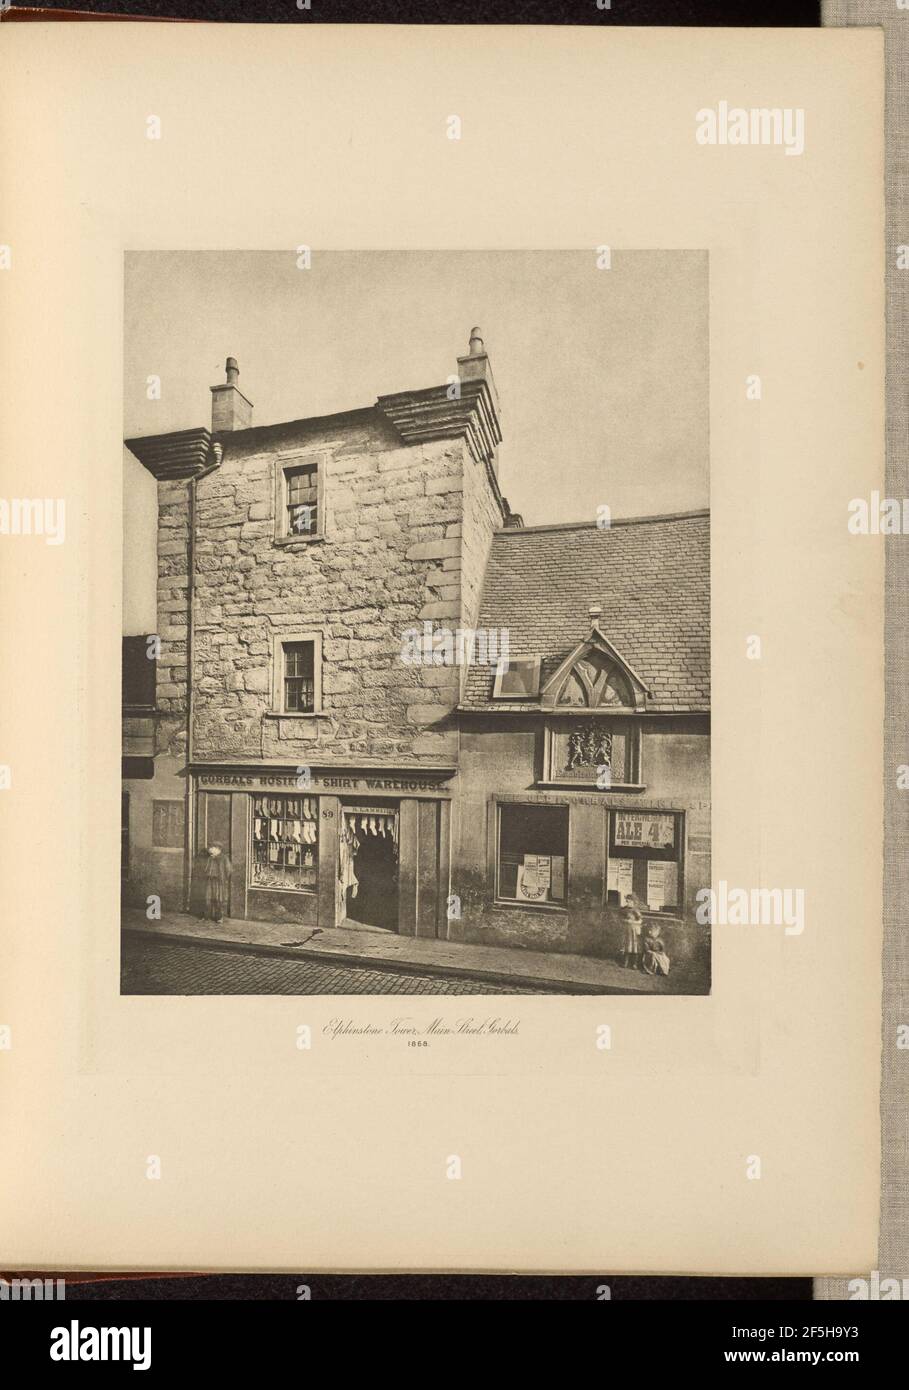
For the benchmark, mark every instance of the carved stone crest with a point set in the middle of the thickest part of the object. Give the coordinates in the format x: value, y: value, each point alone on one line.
x: 589, y: 745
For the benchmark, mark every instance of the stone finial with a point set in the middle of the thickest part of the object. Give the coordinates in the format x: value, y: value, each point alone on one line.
x: 471, y: 411
x: 232, y: 371
x: 594, y: 613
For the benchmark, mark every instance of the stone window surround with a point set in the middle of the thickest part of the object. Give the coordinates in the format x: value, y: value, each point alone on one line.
x: 674, y: 914
x: 277, y: 674
x: 559, y: 909
x: 658, y: 806
x: 283, y: 462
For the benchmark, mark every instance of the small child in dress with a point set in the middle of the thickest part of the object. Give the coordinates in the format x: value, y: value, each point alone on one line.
x: 655, y: 961
x: 633, y: 920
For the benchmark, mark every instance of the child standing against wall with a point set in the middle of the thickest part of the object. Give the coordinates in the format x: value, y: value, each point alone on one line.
x: 631, y: 916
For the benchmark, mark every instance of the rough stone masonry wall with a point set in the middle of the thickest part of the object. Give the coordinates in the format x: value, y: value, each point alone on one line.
x: 391, y: 559
x: 482, y: 516
x: 173, y: 584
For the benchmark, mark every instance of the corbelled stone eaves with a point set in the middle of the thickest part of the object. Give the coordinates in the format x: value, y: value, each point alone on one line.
x: 180, y: 454
x: 419, y: 416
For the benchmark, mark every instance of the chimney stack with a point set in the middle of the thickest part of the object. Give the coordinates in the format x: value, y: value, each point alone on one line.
x: 475, y: 376
x: 230, y: 410
x: 475, y: 366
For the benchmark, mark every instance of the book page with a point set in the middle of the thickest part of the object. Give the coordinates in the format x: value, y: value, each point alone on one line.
x: 440, y: 559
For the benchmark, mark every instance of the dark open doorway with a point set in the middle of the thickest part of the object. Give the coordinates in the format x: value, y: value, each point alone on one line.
x: 371, y: 891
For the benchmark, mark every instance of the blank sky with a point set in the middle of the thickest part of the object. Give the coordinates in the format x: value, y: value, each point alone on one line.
x: 602, y: 374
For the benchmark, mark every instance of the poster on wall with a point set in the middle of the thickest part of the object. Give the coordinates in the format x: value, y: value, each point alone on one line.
x: 619, y: 876
x: 662, y: 883
x: 636, y: 830
x: 534, y: 878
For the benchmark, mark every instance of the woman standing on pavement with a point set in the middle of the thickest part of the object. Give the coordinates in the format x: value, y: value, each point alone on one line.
x: 217, y: 883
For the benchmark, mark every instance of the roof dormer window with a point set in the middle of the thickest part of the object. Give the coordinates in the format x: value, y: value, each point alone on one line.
x: 594, y: 681
x: 595, y: 676
x: 517, y: 678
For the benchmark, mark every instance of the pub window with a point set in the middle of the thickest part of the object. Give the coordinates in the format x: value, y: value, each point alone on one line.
x: 138, y: 687
x: 645, y: 858
x: 299, y: 677
x: 301, y: 491
x: 285, y: 836
x: 533, y: 853
x: 167, y: 824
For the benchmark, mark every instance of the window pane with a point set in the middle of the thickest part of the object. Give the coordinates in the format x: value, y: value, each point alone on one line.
x: 285, y: 843
x: 302, y: 491
x: 138, y: 674
x: 518, y: 678
x: 301, y: 521
x: 299, y: 677
x: 533, y: 853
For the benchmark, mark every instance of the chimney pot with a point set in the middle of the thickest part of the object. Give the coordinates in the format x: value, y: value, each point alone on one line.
x: 232, y: 371
x: 475, y: 346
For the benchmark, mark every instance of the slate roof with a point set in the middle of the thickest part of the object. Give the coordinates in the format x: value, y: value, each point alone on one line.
x: 651, y: 577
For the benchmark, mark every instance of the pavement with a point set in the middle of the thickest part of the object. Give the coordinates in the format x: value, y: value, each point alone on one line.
x: 359, y: 946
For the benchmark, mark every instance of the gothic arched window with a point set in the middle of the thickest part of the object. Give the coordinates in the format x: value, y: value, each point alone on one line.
x: 593, y: 681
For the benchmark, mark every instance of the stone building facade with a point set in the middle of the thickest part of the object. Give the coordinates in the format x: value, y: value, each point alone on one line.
x: 289, y: 722
x: 590, y: 761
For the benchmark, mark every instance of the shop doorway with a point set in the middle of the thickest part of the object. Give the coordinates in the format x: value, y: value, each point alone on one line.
x: 368, y: 867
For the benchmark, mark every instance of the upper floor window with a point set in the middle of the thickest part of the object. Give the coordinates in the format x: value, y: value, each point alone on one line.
x: 138, y: 674
x: 301, y: 487
x: 296, y: 673
x: 299, y: 677
x: 299, y: 496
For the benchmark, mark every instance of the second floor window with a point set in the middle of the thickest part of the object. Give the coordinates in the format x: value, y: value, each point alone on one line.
x: 299, y: 677
x: 302, y: 500
x: 138, y: 674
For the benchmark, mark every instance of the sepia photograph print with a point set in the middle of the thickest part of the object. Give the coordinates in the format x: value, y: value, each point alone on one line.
x: 416, y: 650
x: 469, y: 524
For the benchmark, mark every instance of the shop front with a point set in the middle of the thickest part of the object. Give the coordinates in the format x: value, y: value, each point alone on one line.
x: 326, y: 847
x: 552, y: 870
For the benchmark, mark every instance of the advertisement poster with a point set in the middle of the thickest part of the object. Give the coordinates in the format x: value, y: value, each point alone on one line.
x: 650, y: 831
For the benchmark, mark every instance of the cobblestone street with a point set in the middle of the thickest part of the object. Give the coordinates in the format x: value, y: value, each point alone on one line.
x: 164, y: 968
